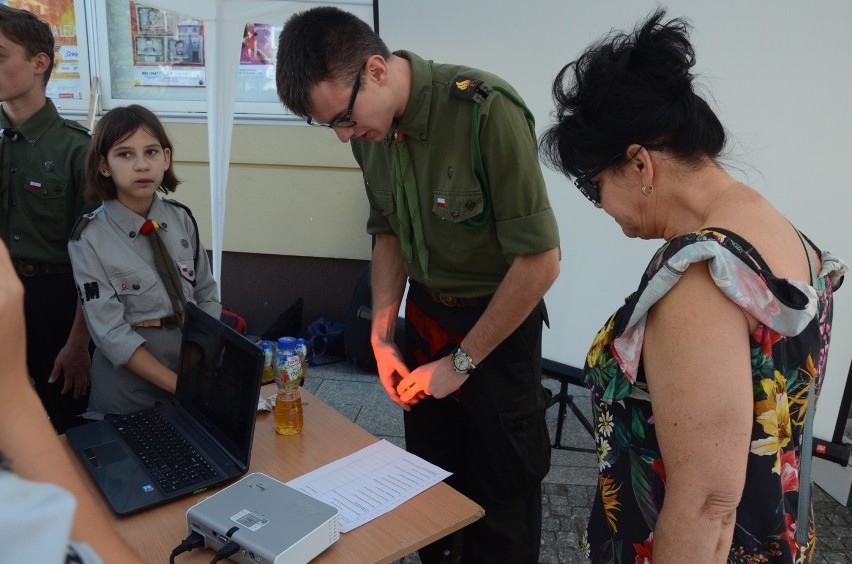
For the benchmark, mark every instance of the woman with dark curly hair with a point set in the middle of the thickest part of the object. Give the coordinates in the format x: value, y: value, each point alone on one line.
x: 704, y: 380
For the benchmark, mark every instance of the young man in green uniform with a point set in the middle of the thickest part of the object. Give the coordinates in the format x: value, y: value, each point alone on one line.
x: 459, y: 209
x: 41, y: 187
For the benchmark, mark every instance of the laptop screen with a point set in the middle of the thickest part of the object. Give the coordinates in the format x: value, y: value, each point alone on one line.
x: 219, y: 380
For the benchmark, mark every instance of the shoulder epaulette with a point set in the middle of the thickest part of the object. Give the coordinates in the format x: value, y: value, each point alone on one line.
x: 81, y: 224
x: 78, y: 126
x: 469, y: 89
x: 180, y: 205
x: 188, y: 211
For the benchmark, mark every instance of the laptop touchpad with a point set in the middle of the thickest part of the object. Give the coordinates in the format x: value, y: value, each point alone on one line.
x: 106, y: 454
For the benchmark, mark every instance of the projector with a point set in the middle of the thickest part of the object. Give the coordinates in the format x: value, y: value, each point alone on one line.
x: 270, y: 521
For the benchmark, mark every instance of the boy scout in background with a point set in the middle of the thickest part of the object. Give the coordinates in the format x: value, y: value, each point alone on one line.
x: 41, y: 187
x: 478, y: 254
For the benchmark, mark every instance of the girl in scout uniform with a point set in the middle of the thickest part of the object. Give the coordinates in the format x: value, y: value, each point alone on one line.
x: 137, y: 260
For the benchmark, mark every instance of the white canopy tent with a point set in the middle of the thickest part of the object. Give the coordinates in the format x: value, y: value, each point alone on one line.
x: 224, y: 23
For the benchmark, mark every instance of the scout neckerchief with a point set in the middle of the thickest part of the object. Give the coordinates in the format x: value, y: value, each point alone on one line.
x: 166, y: 267
x: 410, y: 221
x: 7, y: 135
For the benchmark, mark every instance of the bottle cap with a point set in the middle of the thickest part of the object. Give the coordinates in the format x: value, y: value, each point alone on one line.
x: 286, y: 344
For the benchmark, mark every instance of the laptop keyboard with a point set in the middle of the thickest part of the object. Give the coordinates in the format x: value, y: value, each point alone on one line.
x: 172, y: 461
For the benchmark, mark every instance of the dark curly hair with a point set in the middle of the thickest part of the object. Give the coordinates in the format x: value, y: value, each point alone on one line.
x: 631, y: 88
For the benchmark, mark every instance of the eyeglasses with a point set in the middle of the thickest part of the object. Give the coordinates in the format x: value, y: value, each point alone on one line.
x: 591, y: 189
x: 346, y: 119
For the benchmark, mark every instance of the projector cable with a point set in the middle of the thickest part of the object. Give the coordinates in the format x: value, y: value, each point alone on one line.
x: 229, y: 548
x: 194, y: 540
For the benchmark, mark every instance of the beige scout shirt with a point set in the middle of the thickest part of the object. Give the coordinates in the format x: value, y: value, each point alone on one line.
x: 117, y: 279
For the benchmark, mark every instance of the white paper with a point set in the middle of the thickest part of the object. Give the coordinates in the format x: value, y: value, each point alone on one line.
x: 370, y: 482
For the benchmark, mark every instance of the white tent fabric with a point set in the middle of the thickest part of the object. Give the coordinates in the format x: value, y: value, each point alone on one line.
x: 224, y: 22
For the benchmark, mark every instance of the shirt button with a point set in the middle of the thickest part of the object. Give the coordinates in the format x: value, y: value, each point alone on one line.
x: 192, y: 273
x: 44, y: 192
x: 13, y: 203
x: 132, y: 234
x: 164, y: 226
x: 423, y: 137
x: 16, y: 237
x: 13, y: 170
x: 455, y: 214
x: 135, y: 286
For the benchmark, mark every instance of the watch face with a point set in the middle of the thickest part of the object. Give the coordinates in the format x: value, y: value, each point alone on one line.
x: 461, y: 361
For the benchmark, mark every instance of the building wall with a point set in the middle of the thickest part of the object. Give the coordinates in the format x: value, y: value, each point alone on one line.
x: 295, y: 218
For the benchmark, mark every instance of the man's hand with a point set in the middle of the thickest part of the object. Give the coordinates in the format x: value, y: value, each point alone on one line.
x: 437, y: 379
x: 74, y: 363
x: 392, y: 369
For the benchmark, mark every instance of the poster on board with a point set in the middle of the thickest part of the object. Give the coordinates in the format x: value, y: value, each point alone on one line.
x: 168, y: 48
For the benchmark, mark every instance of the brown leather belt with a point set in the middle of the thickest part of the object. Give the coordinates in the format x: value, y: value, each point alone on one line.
x: 169, y: 322
x: 30, y: 268
x: 451, y: 301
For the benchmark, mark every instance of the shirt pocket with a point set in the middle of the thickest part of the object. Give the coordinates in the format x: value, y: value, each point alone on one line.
x: 458, y: 206
x: 137, y: 290
x: 186, y: 268
x: 46, y: 202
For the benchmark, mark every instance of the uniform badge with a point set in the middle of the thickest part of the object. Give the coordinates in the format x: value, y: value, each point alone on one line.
x: 91, y: 291
x: 184, y: 243
x: 49, y: 165
x: 441, y: 202
x: 465, y: 89
x: 123, y: 287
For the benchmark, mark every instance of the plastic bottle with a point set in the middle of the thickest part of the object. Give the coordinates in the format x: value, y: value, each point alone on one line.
x: 288, y: 402
x: 302, y: 349
x: 268, y: 362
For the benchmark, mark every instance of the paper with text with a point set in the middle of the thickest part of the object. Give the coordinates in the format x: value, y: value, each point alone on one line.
x: 370, y: 482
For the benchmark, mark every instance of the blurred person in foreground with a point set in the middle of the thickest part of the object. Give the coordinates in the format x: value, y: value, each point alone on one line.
x: 702, y: 381
x: 47, y: 513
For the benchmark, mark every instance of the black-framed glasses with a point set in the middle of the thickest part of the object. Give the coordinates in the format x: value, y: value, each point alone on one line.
x: 346, y: 119
x: 591, y: 189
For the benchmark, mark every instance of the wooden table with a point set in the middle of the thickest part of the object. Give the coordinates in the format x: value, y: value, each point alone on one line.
x: 327, y: 436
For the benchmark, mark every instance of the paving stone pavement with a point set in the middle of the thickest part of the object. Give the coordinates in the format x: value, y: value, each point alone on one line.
x: 569, y: 486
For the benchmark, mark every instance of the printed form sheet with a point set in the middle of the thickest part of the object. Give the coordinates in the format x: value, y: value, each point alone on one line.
x: 369, y: 482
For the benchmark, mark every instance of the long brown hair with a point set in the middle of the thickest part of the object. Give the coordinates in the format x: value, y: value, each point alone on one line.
x: 115, y: 126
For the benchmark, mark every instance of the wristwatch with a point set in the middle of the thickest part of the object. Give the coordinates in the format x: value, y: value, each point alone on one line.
x: 462, y: 363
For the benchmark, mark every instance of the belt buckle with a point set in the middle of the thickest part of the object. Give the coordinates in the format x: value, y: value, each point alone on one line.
x: 28, y: 268
x: 448, y: 301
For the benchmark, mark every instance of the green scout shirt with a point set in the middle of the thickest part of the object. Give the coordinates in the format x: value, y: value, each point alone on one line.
x: 44, y: 194
x: 463, y: 262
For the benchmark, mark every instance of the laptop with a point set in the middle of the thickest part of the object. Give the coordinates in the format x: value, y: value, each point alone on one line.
x: 213, y: 414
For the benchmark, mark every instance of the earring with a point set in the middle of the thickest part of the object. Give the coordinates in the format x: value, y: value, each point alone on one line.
x: 648, y: 190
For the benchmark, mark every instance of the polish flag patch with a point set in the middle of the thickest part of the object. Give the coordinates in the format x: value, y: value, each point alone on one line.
x: 34, y: 185
x: 184, y: 268
x: 441, y: 202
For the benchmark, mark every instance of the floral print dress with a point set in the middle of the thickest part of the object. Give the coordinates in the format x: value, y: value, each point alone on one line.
x: 788, y: 354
